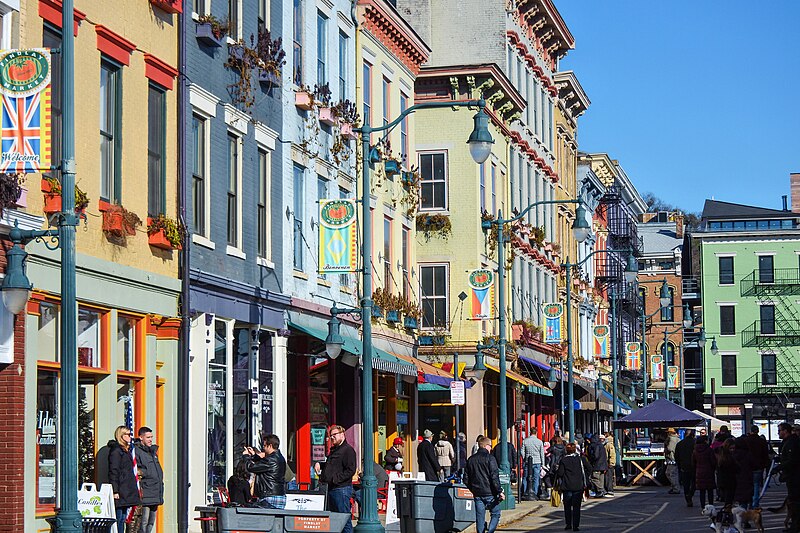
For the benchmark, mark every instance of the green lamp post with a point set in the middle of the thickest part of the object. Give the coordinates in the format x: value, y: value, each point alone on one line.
x: 480, y: 147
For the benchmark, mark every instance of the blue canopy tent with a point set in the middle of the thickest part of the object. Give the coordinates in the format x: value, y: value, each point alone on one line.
x: 662, y: 413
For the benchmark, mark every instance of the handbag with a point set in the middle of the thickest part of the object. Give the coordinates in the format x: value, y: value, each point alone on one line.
x: 555, y: 497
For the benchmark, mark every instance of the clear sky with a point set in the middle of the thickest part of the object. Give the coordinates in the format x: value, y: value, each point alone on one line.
x: 696, y: 99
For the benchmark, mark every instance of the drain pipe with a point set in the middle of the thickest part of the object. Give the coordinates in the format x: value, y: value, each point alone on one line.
x: 183, y: 271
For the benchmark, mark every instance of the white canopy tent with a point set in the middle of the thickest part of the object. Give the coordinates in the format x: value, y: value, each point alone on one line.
x: 716, y: 423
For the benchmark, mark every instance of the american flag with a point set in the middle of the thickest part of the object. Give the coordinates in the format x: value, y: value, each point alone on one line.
x: 26, y: 133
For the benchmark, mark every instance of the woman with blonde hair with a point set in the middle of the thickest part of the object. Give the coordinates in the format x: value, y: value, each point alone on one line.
x: 121, y: 475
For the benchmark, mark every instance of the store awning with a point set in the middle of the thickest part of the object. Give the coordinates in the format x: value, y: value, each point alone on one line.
x: 608, y: 403
x: 381, y: 360
x: 427, y: 373
x: 531, y: 385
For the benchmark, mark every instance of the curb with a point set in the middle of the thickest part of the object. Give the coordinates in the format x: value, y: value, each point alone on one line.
x: 509, y: 518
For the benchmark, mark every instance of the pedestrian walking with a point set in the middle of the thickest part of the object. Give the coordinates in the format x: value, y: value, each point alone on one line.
x: 445, y: 456
x: 151, y: 478
x: 759, y: 457
x: 790, y: 471
x: 727, y: 471
x: 611, y: 473
x: 239, y: 490
x: 743, y: 493
x: 426, y: 457
x: 338, y: 473
x: 476, y: 447
x: 683, y: 460
x: 533, y: 459
x: 599, y: 461
x: 462, y: 451
x: 393, y: 458
x: 512, y: 458
x: 121, y: 475
x: 669, y: 458
x: 269, y: 468
x: 557, y: 452
x: 572, y: 479
x: 482, y: 477
x: 705, y: 465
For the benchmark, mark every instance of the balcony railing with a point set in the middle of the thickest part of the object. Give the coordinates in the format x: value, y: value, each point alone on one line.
x: 690, y: 288
x: 776, y: 281
x: 771, y: 383
x: 778, y: 333
x: 693, y: 378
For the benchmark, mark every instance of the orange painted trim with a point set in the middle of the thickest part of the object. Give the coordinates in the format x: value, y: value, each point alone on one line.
x: 49, y: 365
x: 114, y: 45
x: 51, y: 11
x: 32, y: 307
x: 105, y: 340
x: 169, y: 329
x: 159, y: 72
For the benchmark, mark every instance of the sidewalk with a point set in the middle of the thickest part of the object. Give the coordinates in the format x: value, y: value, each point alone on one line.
x: 520, y: 512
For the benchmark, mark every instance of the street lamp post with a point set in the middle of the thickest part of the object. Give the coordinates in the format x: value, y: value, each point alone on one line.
x: 480, y: 146
x: 580, y: 229
x: 16, y: 288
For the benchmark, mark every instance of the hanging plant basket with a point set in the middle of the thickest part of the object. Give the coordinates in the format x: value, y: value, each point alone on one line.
x: 164, y: 232
x: 392, y: 316
x: 327, y: 116
x: 391, y: 167
x: 410, y: 322
x: 206, y: 35
x: 377, y: 312
x: 52, y: 203
x: 159, y: 240
x: 119, y: 222
x: 304, y: 100
x: 347, y: 131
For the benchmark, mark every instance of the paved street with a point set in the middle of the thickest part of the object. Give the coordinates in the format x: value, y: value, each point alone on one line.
x: 640, y: 510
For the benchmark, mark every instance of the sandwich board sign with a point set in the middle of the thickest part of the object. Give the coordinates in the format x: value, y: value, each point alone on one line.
x: 96, y: 503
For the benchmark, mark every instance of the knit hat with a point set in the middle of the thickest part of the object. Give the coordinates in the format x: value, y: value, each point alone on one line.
x: 397, y: 441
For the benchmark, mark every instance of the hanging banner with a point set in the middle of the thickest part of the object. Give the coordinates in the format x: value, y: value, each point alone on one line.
x: 337, y: 236
x: 553, y: 314
x: 633, y: 359
x: 25, y: 88
x: 673, y: 377
x: 656, y: 367
x: 480, y: 284
x: 601, y: 341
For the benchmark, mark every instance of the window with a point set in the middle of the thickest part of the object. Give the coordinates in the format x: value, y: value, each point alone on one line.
x: 406, y: 260
x: 367, y: 93
x: 199, y: 175
x: 263, y: 14
x: 233, y: 19
x: 232, y: 221
x: 110, y: 131
x: 299, y: 199
x: 434, y: 180
x: 217, y: 425
x: 728, y: 370
x: 46, y: 437
x: 343, y: 65
x: 767, y: 314
x: 126, y: 344
x: 51, y: 38
x: 404, y: 149
x: 200, y: 7
x: 766, y: 269
x: 387, y: 254
x: 89, y: 338
x: 494, y: 188
x: 322, y: 48
x: 49, y: 332
x: 769, y: 369
x: 386, y: 91
x: 156, y: 146
x: 263, y: 205
x: 482, y: 186
x: 434, y: 295
x: 668, y: 312
x: 726, y: 270
x: 727, y: 320
x: 297, y: 41
x: 669, y: 353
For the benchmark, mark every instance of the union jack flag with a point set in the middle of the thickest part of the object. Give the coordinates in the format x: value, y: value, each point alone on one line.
x: 26, y: 133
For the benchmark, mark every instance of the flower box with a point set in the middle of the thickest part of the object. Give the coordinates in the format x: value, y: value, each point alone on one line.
x: 114, y: 223
x: 377, y: 312
x: 327, y: 116
x: 392, y: 316
x: 304, y: 100
x: 265, y: 76
x: 517, y: 330
x: 347, y: 131
x: 410, y: 322
x: 391, y: 167
x: 46, y: 186
x: 205, y: 35
x: 428, y: 340
x: 236, y: 51
x: 170, y: 6
x: 22, y: 201
x: 52, y: 203
x: 159, y: 240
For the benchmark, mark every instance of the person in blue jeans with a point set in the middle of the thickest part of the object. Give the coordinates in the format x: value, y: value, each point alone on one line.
x: 482, y: 477
x: 338, y: 472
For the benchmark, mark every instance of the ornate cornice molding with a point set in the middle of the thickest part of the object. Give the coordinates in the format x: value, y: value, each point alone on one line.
x: 544, y: 27
x: 570, y: 94
x: 387, y: 26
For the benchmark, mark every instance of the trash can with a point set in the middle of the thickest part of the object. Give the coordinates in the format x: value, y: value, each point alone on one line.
x: 432, y: 507
x: 91, y: 524
x: 257, y: 520
x: 207, y: 518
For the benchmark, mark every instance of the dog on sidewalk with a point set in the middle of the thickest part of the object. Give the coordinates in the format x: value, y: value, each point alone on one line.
x: 733, y: 519
x: 742, y: 516
x: 788, y: 508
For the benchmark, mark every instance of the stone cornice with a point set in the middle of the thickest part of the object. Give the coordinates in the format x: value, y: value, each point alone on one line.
x: 519, y: 139
x: 516, y: 41
x: 570, y: 94
x: 602, y: 166
x: 544, y: 27
x: 387, y: 26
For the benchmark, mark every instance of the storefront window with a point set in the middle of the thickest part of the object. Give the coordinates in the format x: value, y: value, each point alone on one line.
x: 217, y: 384
x: 46, y: 437
x: 125, y: 415
x: 86, y: 433
x: 89, y: 338
x: 266, y: 372
x: 48, y: 333
x: 242, y: 408
x: 126, y: 343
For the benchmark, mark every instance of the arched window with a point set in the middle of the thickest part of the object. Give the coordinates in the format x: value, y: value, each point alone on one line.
x: 669, y: 353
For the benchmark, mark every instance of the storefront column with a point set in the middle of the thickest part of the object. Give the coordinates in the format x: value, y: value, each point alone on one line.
x: 475, y: 409
x: 281, y: 389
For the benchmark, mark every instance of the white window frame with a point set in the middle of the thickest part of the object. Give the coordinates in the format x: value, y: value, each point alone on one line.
x: 204, y: 105
x: 446, y: 179
x: 446, y: 291
x: 236, y: 251
x: 6, y: 7
x: 266, y: 139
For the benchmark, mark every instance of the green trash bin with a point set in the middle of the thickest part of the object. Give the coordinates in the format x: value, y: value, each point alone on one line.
x: 432, y: 507
x: 258, y: 520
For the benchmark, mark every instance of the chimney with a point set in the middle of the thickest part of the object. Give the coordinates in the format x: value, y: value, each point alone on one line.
x: 679, y: 225
x: 794, y: 188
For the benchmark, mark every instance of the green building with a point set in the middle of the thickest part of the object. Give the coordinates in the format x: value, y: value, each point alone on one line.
x: 747, y: 284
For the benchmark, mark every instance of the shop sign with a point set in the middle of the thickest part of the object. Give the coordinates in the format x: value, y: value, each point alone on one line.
x: 457, y: 396
x: 337, y: 236
x: 318, y: 453
x: 309, y: 523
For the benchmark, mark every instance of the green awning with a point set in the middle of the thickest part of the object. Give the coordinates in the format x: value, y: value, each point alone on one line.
x: 381, y: 360
x: 541, y: 391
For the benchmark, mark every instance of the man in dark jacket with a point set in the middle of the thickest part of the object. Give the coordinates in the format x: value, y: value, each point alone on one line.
x: 426, y: 457
x: 151, y: 478
x: 599, y: 461
x: 759, y: 460
x: 790, y: 471
x: 683, y: 460
x: 269, y: 468
x: 482, y: 477
x: 338, y: 474
x: 512, y: 457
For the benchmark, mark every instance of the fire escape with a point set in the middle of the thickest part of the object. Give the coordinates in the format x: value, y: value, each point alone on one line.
x: 779, y: 335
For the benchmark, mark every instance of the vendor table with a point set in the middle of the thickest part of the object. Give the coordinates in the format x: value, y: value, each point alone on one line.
x: 645, y: 465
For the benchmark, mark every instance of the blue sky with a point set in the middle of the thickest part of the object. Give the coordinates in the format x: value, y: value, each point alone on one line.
x: 696, y: 99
